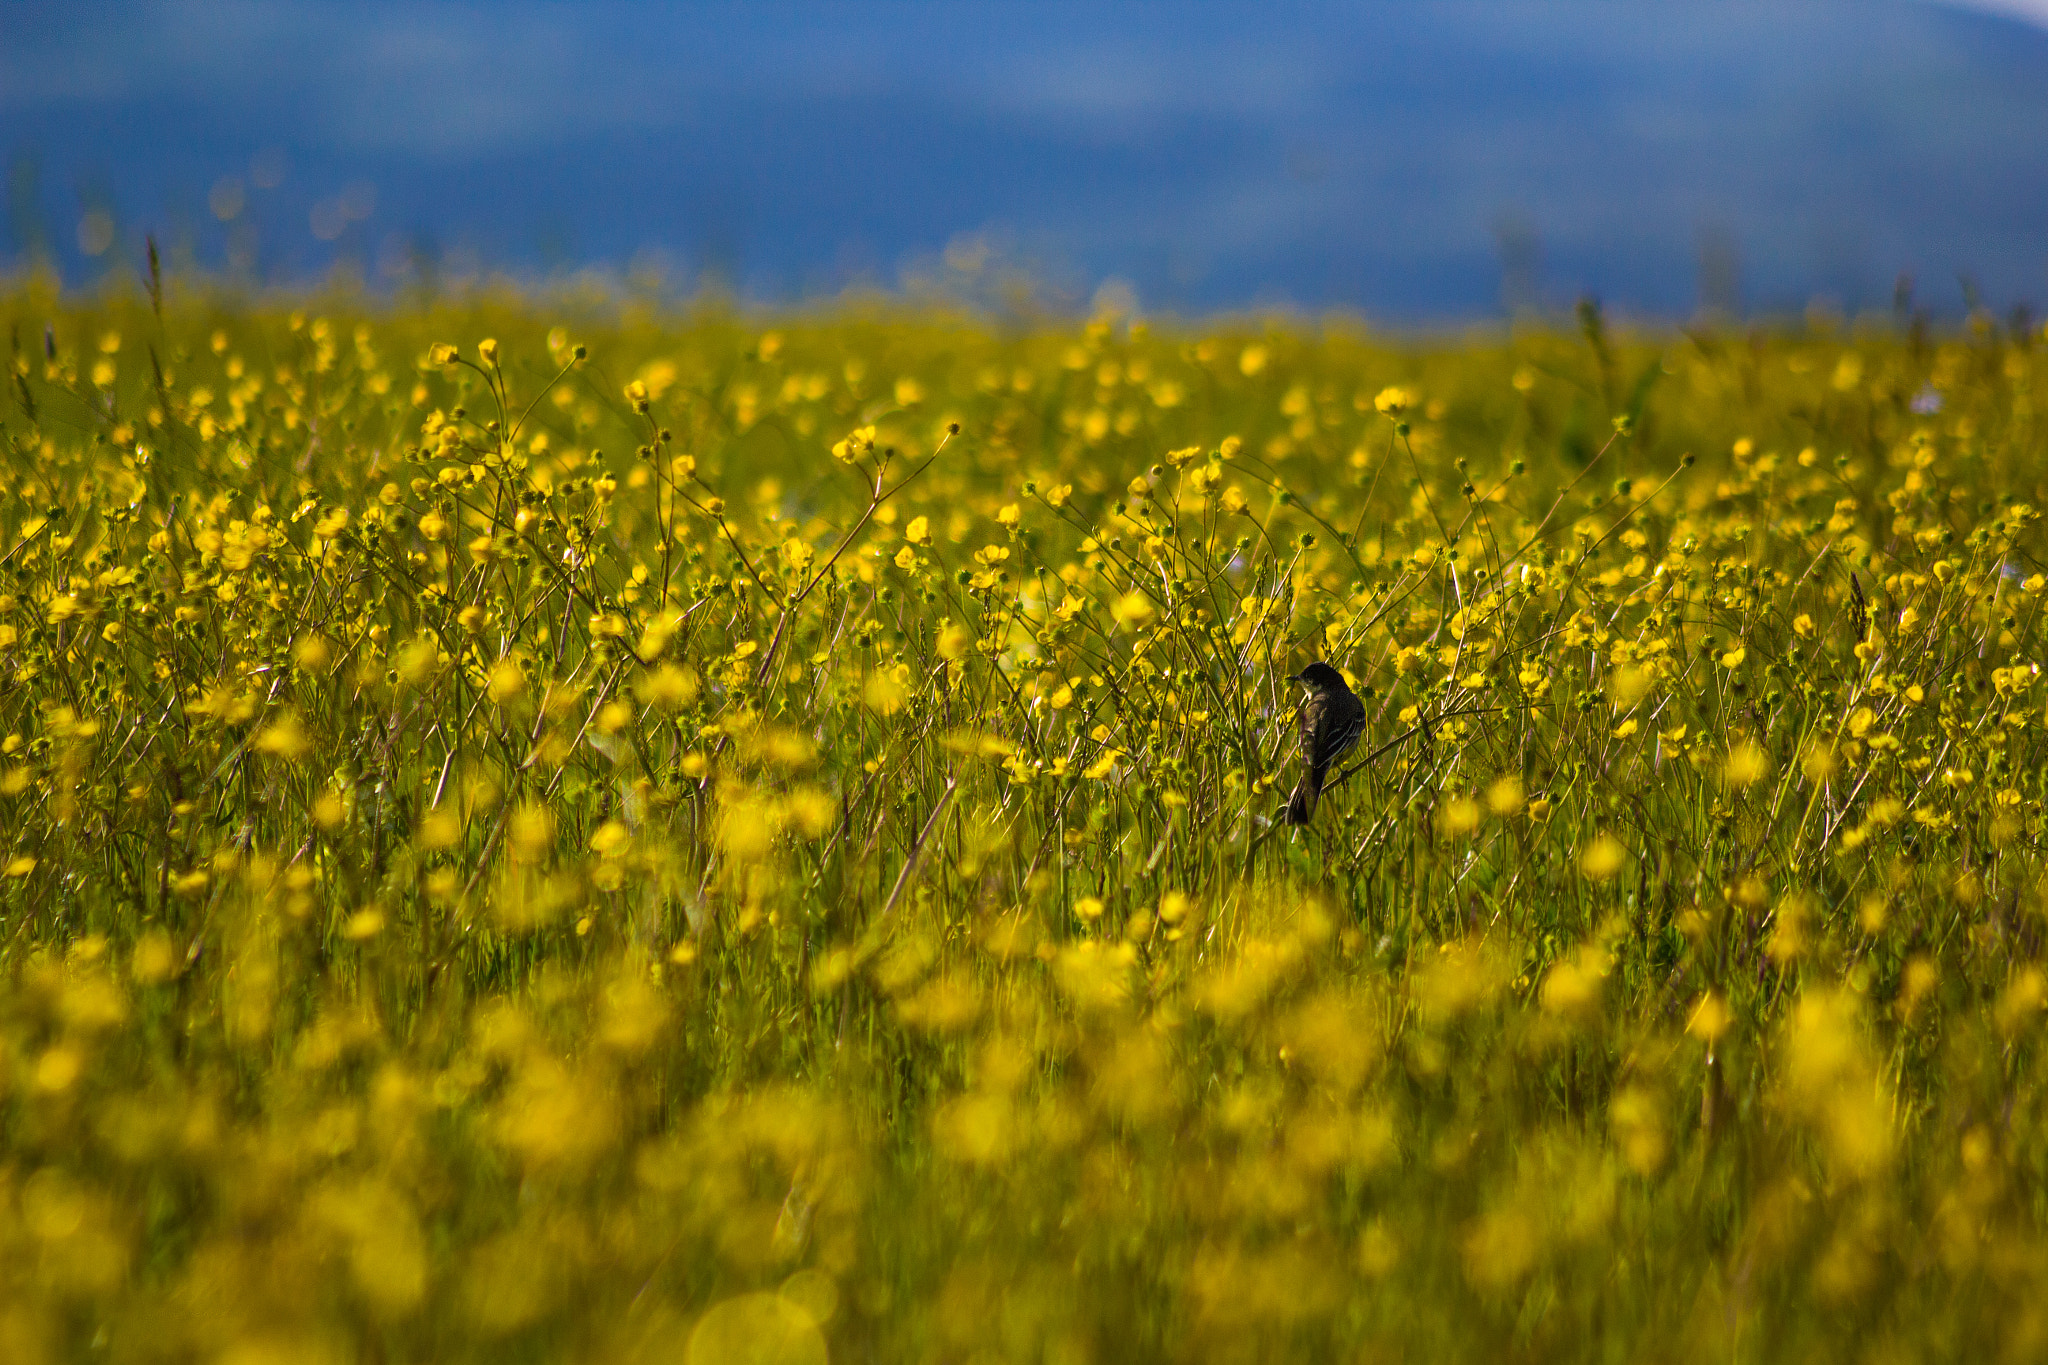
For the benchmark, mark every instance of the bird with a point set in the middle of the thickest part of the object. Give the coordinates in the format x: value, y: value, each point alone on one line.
x: 1332, y: 719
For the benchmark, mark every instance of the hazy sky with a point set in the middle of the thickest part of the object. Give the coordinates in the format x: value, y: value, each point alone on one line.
x: 2035, y: 11
x: 1419, y: 158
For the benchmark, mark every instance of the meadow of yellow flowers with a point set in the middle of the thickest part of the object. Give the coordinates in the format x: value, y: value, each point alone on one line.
x: 534, y: 832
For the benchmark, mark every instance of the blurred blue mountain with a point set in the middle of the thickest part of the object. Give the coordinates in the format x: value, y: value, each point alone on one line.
x: 1416, y: 160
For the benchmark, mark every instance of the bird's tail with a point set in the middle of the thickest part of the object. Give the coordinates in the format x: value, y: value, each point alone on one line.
x: 1301, y: 802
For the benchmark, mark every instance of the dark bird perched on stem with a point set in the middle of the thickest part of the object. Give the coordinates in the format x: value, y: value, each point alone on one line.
x: 1332, y: 719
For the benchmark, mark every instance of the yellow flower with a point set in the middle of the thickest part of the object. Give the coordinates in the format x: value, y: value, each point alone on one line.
x: 440, y: 828
x: 530, y: 832
x: 1133, y: 610
x: 285, y: 737
x: 850, y: 448
x: 1746, y: 764
x: 884, y: 694
x: 312, y: 653
x: 1504, y: 797
x: 1602, y: 858
x: 1818, y: 762
x: 1709, y: 1018
x: 669, y: 687
x: 1393, y: 400
x: 1459, y: 816
x: 1573, y: 986
x: 506, y: 681
x: 330, y: 812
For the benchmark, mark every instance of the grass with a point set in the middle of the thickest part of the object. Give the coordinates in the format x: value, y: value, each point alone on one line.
x: 677, y: 839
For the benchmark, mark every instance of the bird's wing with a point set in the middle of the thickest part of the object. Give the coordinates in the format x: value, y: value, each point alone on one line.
x: 1342, y: 721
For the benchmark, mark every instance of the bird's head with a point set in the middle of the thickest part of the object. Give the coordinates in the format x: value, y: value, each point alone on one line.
x: 1320, y: 675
